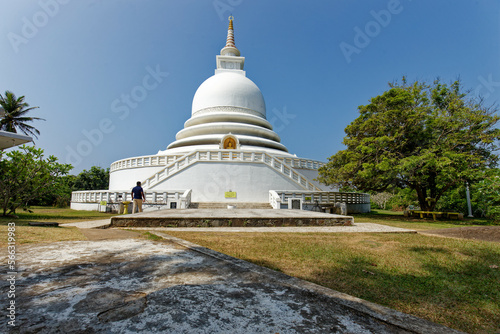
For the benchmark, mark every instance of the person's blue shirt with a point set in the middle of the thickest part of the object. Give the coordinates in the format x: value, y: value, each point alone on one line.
x: 137, y: 191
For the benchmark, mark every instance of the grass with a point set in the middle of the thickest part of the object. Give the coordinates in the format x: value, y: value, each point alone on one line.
x: 151, y: 236
x: 60, y: 215
x: 448, y: 281
x: 25, y: 234
x: 35, y: 234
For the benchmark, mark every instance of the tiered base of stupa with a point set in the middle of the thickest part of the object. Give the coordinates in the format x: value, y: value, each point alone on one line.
x: 223, y: 176
x: 217, y: 175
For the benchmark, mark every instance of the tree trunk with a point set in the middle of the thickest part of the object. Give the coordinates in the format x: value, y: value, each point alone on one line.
x: 421, y: 195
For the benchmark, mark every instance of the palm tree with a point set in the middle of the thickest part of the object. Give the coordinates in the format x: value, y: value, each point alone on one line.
x: 14, y: 117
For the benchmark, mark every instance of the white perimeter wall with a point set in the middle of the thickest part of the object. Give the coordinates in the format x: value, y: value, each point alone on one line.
x: 85, y: 206
x: 127, y: 178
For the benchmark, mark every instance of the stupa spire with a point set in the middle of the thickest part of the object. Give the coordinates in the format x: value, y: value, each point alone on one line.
x: 230, y: 48
x: 230, y: 34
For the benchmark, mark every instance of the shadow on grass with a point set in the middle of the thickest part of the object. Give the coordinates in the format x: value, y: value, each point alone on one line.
x: 264, y: 263
x: 429, y: 249
x: 52, y: 214
x: 459, y: 294
x: 389, y: 216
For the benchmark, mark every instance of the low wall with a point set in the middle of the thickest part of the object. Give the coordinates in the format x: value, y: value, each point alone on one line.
x: 320, y: 200
x: 90, y: 200
x: 85, y: 206
x: 358, y: 208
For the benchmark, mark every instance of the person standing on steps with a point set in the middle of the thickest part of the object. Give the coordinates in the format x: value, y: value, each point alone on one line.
x: 138, y: 197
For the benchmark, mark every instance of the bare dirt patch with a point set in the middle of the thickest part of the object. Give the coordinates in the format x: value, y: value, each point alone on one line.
x: 108, y: 234
x: 483, y: 233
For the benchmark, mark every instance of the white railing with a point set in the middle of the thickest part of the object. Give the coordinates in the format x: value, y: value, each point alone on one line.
x: 144, y: 161
x: 302, y: 163
x: 321, y: 197
x: 186, y: 199
x: 117, y: 196
x: 276, y: 163
x: 163, y: 160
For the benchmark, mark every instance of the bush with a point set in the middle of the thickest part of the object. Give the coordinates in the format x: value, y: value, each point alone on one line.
x: 486, y: 195
x: 454, y: 201
x: 402, y: 199
x: 381, y: 199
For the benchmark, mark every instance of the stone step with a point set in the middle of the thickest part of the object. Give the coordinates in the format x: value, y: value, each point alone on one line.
x: 223, y: 205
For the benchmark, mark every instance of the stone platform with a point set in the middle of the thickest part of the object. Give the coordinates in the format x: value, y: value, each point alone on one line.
x: 230, y: 218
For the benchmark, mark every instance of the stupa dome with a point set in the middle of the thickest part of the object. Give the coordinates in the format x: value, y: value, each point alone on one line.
x: 228, y: 104
x: 229, y: 89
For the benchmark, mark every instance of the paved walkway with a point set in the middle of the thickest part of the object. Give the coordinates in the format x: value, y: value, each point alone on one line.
x: 356, y: 228
x: 103, y: 223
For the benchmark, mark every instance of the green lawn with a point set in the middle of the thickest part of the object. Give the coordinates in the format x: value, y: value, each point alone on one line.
x: 60, y: 215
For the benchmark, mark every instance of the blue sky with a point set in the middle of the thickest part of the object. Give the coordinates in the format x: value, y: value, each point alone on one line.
x: 115, y: 79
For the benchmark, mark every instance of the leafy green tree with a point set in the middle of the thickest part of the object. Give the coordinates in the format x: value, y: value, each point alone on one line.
x: 62, y: 197
x: 96, y: 178
x: 455, y: 200
x: 25, y: 175
x: 59, y: 195
x: 403, y: 199
x: 428, y: 138
x: 15, y: 110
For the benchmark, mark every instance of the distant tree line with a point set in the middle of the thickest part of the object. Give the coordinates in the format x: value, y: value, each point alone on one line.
x: 28, y: 178
x: 97, y: 178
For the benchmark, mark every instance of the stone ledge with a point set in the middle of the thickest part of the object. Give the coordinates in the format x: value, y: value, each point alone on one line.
x: 230, y: 218
x: 227, y: 222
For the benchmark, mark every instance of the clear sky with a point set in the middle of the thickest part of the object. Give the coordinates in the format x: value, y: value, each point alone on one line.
x: 115, y: 79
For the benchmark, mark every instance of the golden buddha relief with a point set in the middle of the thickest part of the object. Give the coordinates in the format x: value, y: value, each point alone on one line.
x: 229, y: 143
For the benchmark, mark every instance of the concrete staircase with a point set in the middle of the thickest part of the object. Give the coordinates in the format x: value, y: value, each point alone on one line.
x: 216, y: 156
x: 216, y: 205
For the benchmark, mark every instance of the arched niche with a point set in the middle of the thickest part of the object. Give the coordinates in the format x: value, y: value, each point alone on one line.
x: 229, y: 142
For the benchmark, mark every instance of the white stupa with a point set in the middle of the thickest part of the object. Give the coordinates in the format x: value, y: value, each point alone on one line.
x: 226, y: 153
x: 228, y: 103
